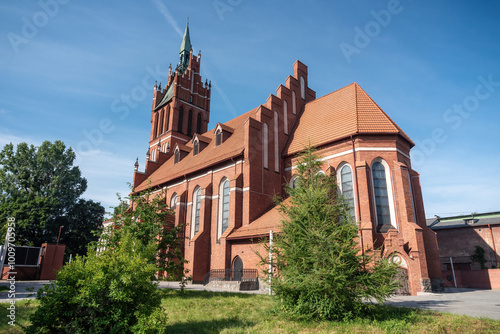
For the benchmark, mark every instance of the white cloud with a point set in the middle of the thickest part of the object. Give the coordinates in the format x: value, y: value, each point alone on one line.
x: 8, y: 138
x: 166, y: 13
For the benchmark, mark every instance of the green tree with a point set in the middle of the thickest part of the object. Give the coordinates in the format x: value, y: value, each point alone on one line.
x: 41, y: 188
x: 111, y: 290
x: 148, y: 218
x: 321, y: 273
x: 107, y: 291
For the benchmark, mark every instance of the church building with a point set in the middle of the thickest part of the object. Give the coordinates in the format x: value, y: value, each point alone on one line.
x: 221, y: 182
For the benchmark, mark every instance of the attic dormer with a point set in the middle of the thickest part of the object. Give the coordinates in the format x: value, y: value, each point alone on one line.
x: 199, y: 143
x: 180, y: 151
x: 222, y: 132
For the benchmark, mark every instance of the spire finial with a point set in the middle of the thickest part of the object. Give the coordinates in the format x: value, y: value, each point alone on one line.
x: 187, y: 21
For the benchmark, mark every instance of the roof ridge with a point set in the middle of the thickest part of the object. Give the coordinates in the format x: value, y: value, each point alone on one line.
x: 335, y: 91
x: 400, y: 131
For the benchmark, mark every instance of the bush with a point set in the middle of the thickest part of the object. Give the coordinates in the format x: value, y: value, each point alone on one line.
x: 104, y: 292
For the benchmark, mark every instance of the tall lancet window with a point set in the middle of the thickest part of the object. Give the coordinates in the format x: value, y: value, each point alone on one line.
x: 346, y: 187
x: 195, y: 217
x: 223, y: 207
x: 383, y: 196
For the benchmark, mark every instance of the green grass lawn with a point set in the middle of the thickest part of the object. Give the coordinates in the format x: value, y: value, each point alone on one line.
x: 212, y: 312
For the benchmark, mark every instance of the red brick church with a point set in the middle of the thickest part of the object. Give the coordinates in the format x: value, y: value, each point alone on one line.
x: 221, y: 182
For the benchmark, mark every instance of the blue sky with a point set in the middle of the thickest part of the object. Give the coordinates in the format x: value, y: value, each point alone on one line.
x: 83, y: 73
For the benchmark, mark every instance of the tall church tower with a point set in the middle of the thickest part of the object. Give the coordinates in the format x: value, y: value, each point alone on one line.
x: 182, y: 107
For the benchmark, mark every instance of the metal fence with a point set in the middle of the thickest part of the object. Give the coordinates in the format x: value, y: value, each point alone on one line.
x: 231, y: 275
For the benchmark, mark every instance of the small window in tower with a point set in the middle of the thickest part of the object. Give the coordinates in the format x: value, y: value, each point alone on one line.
x: 191, y: 99
x: 177, y: 155
x: 196, y: 147
x: 218, y: 137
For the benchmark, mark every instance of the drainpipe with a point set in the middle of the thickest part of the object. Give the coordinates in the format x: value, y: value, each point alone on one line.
x: 494, y: 247
x: 357, y: 198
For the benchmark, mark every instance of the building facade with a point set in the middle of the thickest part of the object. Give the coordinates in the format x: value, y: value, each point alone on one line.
x: 469, y: 244
x: 221, y: 182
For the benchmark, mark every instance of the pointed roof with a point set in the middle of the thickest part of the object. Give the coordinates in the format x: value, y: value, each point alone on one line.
x: 344, y: 112
x: 186, y: 41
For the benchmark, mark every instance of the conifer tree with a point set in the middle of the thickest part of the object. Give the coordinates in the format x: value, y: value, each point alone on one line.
x: 321, y: 272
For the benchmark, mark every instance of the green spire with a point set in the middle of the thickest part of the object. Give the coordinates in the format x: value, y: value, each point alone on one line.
x: 185, y: 51
x: 186, y: 41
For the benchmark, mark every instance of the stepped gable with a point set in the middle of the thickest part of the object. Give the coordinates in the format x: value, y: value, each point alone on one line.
x: 209, y: 156
x: 344, y: 112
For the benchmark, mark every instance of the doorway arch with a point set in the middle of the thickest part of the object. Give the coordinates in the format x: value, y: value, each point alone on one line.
x: 237, y: 268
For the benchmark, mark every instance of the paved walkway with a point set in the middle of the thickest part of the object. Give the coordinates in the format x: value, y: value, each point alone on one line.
x: 20, y: 291
x: 475, y: 303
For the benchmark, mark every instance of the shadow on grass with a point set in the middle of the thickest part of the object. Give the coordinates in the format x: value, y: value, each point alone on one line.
x: 390, y: 312
x: 187, y: 294
x: 213, y: 326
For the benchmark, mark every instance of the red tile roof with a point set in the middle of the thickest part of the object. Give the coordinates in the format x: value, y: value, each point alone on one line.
x: 209, y: 156
x: 347, y: 111
x: 271, y: 220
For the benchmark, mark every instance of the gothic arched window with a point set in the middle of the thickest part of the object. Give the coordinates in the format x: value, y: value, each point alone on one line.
x: 223, y: 221
x: 346, y: 187
x: 195, y: 217
x: 383, y: 195
x: 173, y: 201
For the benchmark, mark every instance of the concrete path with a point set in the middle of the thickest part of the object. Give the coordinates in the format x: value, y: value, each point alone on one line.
x: 19, y: 290
x: 474, y: 303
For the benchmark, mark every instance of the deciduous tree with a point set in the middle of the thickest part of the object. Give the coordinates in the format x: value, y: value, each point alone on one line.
x: 41, y: 188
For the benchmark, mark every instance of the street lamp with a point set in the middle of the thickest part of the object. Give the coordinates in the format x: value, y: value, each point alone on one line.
x: 60, y: 228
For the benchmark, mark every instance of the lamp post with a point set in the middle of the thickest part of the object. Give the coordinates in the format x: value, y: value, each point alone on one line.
x: 60, y: 228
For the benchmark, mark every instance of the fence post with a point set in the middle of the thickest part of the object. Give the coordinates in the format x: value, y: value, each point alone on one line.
x: 453, y: 272
x: 270, y: 259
